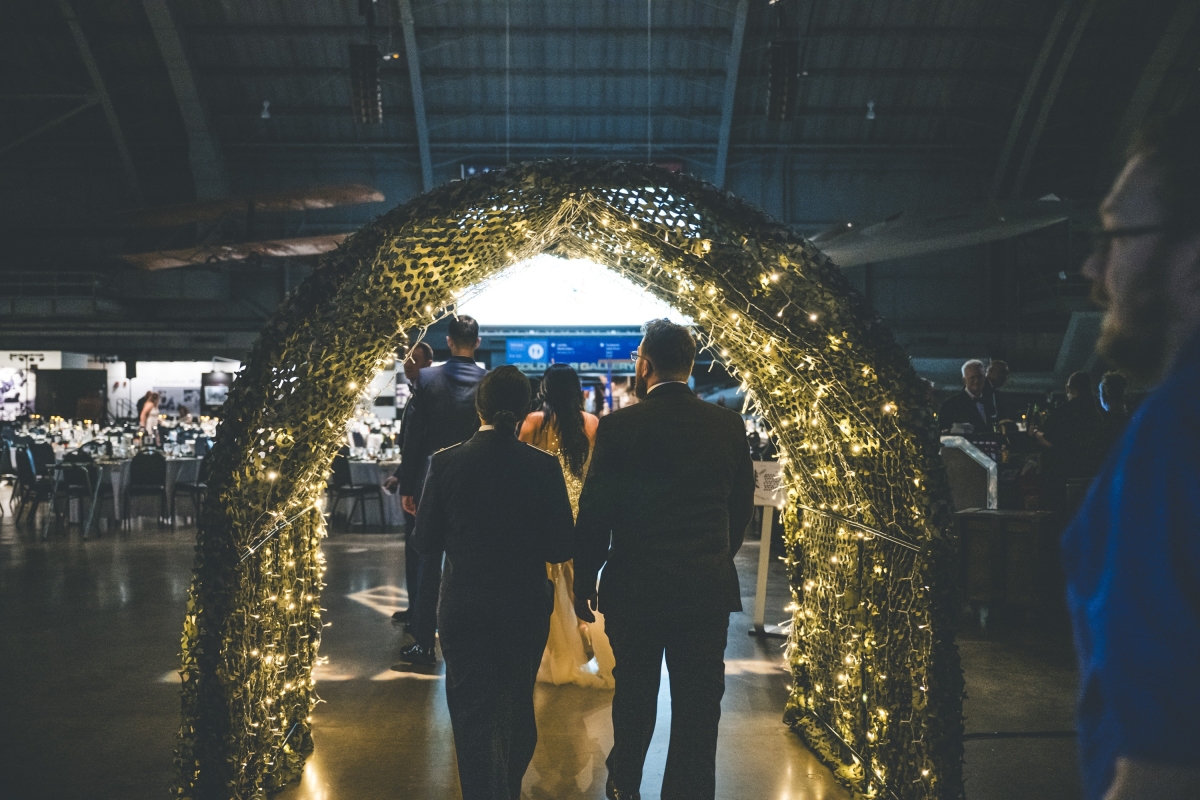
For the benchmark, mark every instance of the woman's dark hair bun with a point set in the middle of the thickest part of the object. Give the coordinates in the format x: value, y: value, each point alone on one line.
x: 502, y: 399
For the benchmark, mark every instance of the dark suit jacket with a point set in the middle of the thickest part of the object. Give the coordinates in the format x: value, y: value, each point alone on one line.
x: 672, y: 483
x: 499, y: 509
x: 443, y: 414
x: 962, y: 408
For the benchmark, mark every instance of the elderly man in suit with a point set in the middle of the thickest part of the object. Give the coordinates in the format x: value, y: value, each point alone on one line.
x: 443, y: 415
x: 970, y: 406
x: 666, y: 502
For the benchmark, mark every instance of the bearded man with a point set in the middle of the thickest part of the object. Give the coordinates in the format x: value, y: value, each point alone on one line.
x: 1132, y: 554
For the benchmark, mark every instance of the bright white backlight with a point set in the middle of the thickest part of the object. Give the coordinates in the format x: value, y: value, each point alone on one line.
x: 553, y: 291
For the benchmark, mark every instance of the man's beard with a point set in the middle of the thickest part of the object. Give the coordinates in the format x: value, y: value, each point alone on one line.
x: 640, y: 389
x: 1133, y: 336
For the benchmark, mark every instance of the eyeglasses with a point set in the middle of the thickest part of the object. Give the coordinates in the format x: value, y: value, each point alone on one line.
x: 1102, y: 238
x: 634, y: 356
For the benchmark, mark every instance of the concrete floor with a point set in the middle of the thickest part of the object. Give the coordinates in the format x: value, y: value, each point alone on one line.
x: 89, y: 697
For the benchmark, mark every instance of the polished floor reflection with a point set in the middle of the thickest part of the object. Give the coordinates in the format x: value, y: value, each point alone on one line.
x: 89, y: 695
x: 90, y: 707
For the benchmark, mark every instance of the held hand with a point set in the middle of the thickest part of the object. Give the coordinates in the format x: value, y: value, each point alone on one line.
x: 409, y: 504
x: 391, y: 483
x: 584, y: 607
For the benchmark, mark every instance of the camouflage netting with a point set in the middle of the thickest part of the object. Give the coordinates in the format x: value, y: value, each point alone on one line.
x: 877, y: 685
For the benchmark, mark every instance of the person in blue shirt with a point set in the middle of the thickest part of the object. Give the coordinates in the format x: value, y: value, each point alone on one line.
x: 1132, y: 553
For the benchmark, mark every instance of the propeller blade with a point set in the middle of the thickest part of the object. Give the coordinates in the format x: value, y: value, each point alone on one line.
x: 349, y: 194
x: 197, y: 256
x: 909, y: 235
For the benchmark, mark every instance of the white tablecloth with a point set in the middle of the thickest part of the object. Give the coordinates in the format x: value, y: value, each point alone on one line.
x: 366, y: 473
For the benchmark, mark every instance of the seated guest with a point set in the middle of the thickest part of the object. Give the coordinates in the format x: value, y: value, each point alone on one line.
x: 1112, y: 399
x: 499, y: 510
x: 1072, y: 435
x: 969, y: 406
x: 185, y: 416
x: 997, y: 376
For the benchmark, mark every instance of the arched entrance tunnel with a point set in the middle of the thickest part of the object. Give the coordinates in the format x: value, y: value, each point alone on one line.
x: 877, y: 687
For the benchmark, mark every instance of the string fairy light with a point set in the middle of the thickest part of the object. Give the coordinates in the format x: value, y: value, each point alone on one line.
x: 876, y: 686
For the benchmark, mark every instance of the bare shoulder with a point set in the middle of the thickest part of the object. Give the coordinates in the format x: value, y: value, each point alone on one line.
x: 530, y: 426
x: 590, y: 423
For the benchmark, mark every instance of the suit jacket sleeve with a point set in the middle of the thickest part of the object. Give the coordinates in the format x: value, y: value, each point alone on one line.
x: 741, y: 495
x: 412, y: 447
x: 558, y: 523
x: 598, y: 504
x: 429, y: 534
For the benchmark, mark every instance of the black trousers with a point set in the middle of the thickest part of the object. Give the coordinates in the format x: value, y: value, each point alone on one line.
x: 412, y: 563
x: 695, y: 651
x: 489, y: 689
x: 429, y: 583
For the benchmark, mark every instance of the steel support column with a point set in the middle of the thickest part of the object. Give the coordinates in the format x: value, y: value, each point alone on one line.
x: 732, y: 63
x: 1156, y: 69
x: 114, y: 125
x: 208, y: 168
x: 1060, y: 72
x: 418, y: 93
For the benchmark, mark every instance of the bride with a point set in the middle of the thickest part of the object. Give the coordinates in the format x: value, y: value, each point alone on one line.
x: 576, y: 652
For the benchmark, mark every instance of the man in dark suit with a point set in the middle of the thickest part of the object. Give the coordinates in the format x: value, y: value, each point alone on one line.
x: 666, y: 502
x: 499, y: 509
x: 444, y: 415
x: 971, y: 405
x: 419, y: 357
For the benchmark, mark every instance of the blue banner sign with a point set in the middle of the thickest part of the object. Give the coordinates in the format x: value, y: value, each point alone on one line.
x: 592, y: 353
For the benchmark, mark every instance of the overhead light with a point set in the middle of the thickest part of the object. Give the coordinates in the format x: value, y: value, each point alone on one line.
x: 871, y: 109
x: 266, y: 111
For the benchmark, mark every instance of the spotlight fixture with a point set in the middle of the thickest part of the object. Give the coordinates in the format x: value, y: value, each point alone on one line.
x: 871, y: 109
x: 266, y: 110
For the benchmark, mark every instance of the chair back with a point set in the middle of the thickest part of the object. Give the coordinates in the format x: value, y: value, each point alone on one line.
x: 77, y: 476
x: 26, y: 471
x: 148, y: 469
x: 201, y: 446
x: 79, y: 456
x: 341, y: 477
x: 43, y: 457
x: 202, y: 471
x: 6, y: 460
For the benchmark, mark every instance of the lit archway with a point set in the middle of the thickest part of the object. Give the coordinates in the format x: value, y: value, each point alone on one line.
x: 876, y: 680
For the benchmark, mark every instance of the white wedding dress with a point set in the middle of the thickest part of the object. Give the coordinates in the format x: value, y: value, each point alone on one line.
x: 576, y: 652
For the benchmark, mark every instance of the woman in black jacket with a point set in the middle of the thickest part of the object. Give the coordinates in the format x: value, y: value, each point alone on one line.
x: 499, y: 510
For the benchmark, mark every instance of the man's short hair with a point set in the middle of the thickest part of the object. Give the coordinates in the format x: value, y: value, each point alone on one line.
x: 464, y: 331
x: 669, y: 347
x: 999, y: 364
x: 974, y: 362
x: 1081, y: 384
x: 1114, y: 385
x: 1169, y: 146
x: 422, y: 348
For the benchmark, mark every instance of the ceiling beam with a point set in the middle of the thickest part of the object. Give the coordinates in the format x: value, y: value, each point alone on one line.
x: 84, y: 106
x: 1156, y: 70
x: 418, y: 93
x: 719, y: 32
x: 1060, y: 72
x: 208, y: 168
x: 110, y: 115
x: 732, y: 62
x: 1035, y: 78
x: 980, y: 114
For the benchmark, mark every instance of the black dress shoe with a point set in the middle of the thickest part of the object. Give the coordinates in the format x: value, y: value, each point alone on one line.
x: 402, y: 616
x: 416, y: 654
x: 613, y: 793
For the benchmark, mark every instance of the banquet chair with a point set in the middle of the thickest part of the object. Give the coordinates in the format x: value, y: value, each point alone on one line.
x: 147, y: 478
x: 342, y: 486
x: 8, y: 473
x: 31, y: 487
x: 194, y: 491
x: 72, y: 481
x: 43, y: 457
